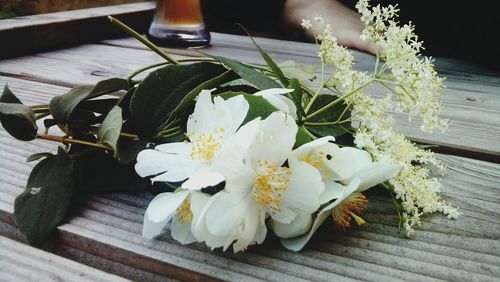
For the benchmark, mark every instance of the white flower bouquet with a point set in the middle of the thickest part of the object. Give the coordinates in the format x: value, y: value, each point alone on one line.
x: 241, y: 149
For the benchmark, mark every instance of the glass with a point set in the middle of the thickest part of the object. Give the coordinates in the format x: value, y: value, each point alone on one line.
x: 178, y: 23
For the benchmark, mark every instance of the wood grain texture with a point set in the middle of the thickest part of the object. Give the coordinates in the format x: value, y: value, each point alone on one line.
x: 35, y: 33
x: 19, y: 262
x: 109, y: 227
x: 472, y: 107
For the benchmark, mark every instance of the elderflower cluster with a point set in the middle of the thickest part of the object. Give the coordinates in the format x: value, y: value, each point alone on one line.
x: 414, y: 186
x: 414, y: 87
x: 412, y: 77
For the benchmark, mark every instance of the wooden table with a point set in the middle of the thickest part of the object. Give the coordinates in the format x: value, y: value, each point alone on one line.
x: 103, y: 231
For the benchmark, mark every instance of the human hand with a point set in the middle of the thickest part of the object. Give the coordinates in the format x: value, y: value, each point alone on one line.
x: 346, y: 23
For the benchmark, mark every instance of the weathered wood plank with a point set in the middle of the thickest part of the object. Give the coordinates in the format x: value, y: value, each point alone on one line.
x: 109, y: 227
x: 19, y: 262
x: 473, y: 110
x: 40, y: 32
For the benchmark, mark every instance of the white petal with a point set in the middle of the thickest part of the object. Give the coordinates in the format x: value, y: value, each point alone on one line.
x: 181, y: 232
x: 159, y: 212
x: 292, y: 109
x: 318, y: 145
x: 285, y: 215
x: 152, y: 162
x: 300, y: 225
x: 376, y: 173
x: 245, y: 136
x: 304, y: 188
x: 164, y: 205
x: 276, y: 139
x: 238, y: 106
x: 297, y: 243
x: 203, y: 178
x: 233, y: 165
x: 333, y: 190
x: 277, y: 103
x: 179, y: 172
x: 226, y: 212
x: 250, y: 226
x: 347, y: 161
x: 177, y: 148
x: 203, y: 113
x: 273, y: 91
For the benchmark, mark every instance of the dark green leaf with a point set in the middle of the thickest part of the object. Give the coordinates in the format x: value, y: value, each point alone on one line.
x: 331, y: 115
x: 236, y: 88
x: 17, y: 119
x: 272, y: 65
x: 259, y: 107
x: 111, y: 127
x: 62, y: 107
x: 9, y: 97
x: 209, y: 84
x: 162, y: 91
x: 127, y: 149
x: 256, y: 78
x: 100, y: 172
x: 296, y: 96
x: 46, y: 199
x: 101, y: 106
x: 37, y: 156
x: 301, y: 138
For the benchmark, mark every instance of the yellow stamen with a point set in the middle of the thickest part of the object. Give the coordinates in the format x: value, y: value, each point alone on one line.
x: 316, y: 159
x: 205, y: 145
x: 346, y: 211
x: 270, y: 184
x: 184, y: 213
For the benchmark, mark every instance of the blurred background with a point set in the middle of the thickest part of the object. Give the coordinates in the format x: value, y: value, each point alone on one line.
x: 12, y: 8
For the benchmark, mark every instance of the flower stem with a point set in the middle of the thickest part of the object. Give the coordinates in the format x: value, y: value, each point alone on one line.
x: 143, y: 40
x: 309, y: 133
x: 340, y: 99
x: 65, y: 140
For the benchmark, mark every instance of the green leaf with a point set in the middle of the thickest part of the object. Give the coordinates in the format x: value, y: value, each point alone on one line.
x: 163, y: 90
x: 17, y: 119
x: 127, y: 149
x: 259, y: 107
x: 101, y: 106
x: 63, y: 106
x: 45, y: 201
x: 296, y: 96
x: 100, y: 172
x: 37, y: 156
x: 330, y: 115
x: 209, y: 84
x: 272, y: 65
x: 259, y: 80
x: 110, y: 129
x: 303, y: 73
x: 301, y: 138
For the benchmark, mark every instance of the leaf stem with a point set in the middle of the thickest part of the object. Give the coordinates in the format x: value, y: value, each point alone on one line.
x: 143, y: 40
x: 64, y: 140
x: 340, y: 99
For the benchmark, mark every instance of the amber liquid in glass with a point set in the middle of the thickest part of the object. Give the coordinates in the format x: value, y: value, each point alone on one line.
x: 178, y: 23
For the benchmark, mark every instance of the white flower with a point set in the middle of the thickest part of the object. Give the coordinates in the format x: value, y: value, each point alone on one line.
x: 355, y: 171
x: 258, y: 186
x: 306, y: 24
x: 182, y: 207
x: 210, y: 126
x: 277, y: 98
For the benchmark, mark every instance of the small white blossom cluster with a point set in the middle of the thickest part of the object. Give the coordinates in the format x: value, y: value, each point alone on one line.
x: 414, y: 88
x: 414, y: 186
x: 413, y: 78
x: 265, y: 181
